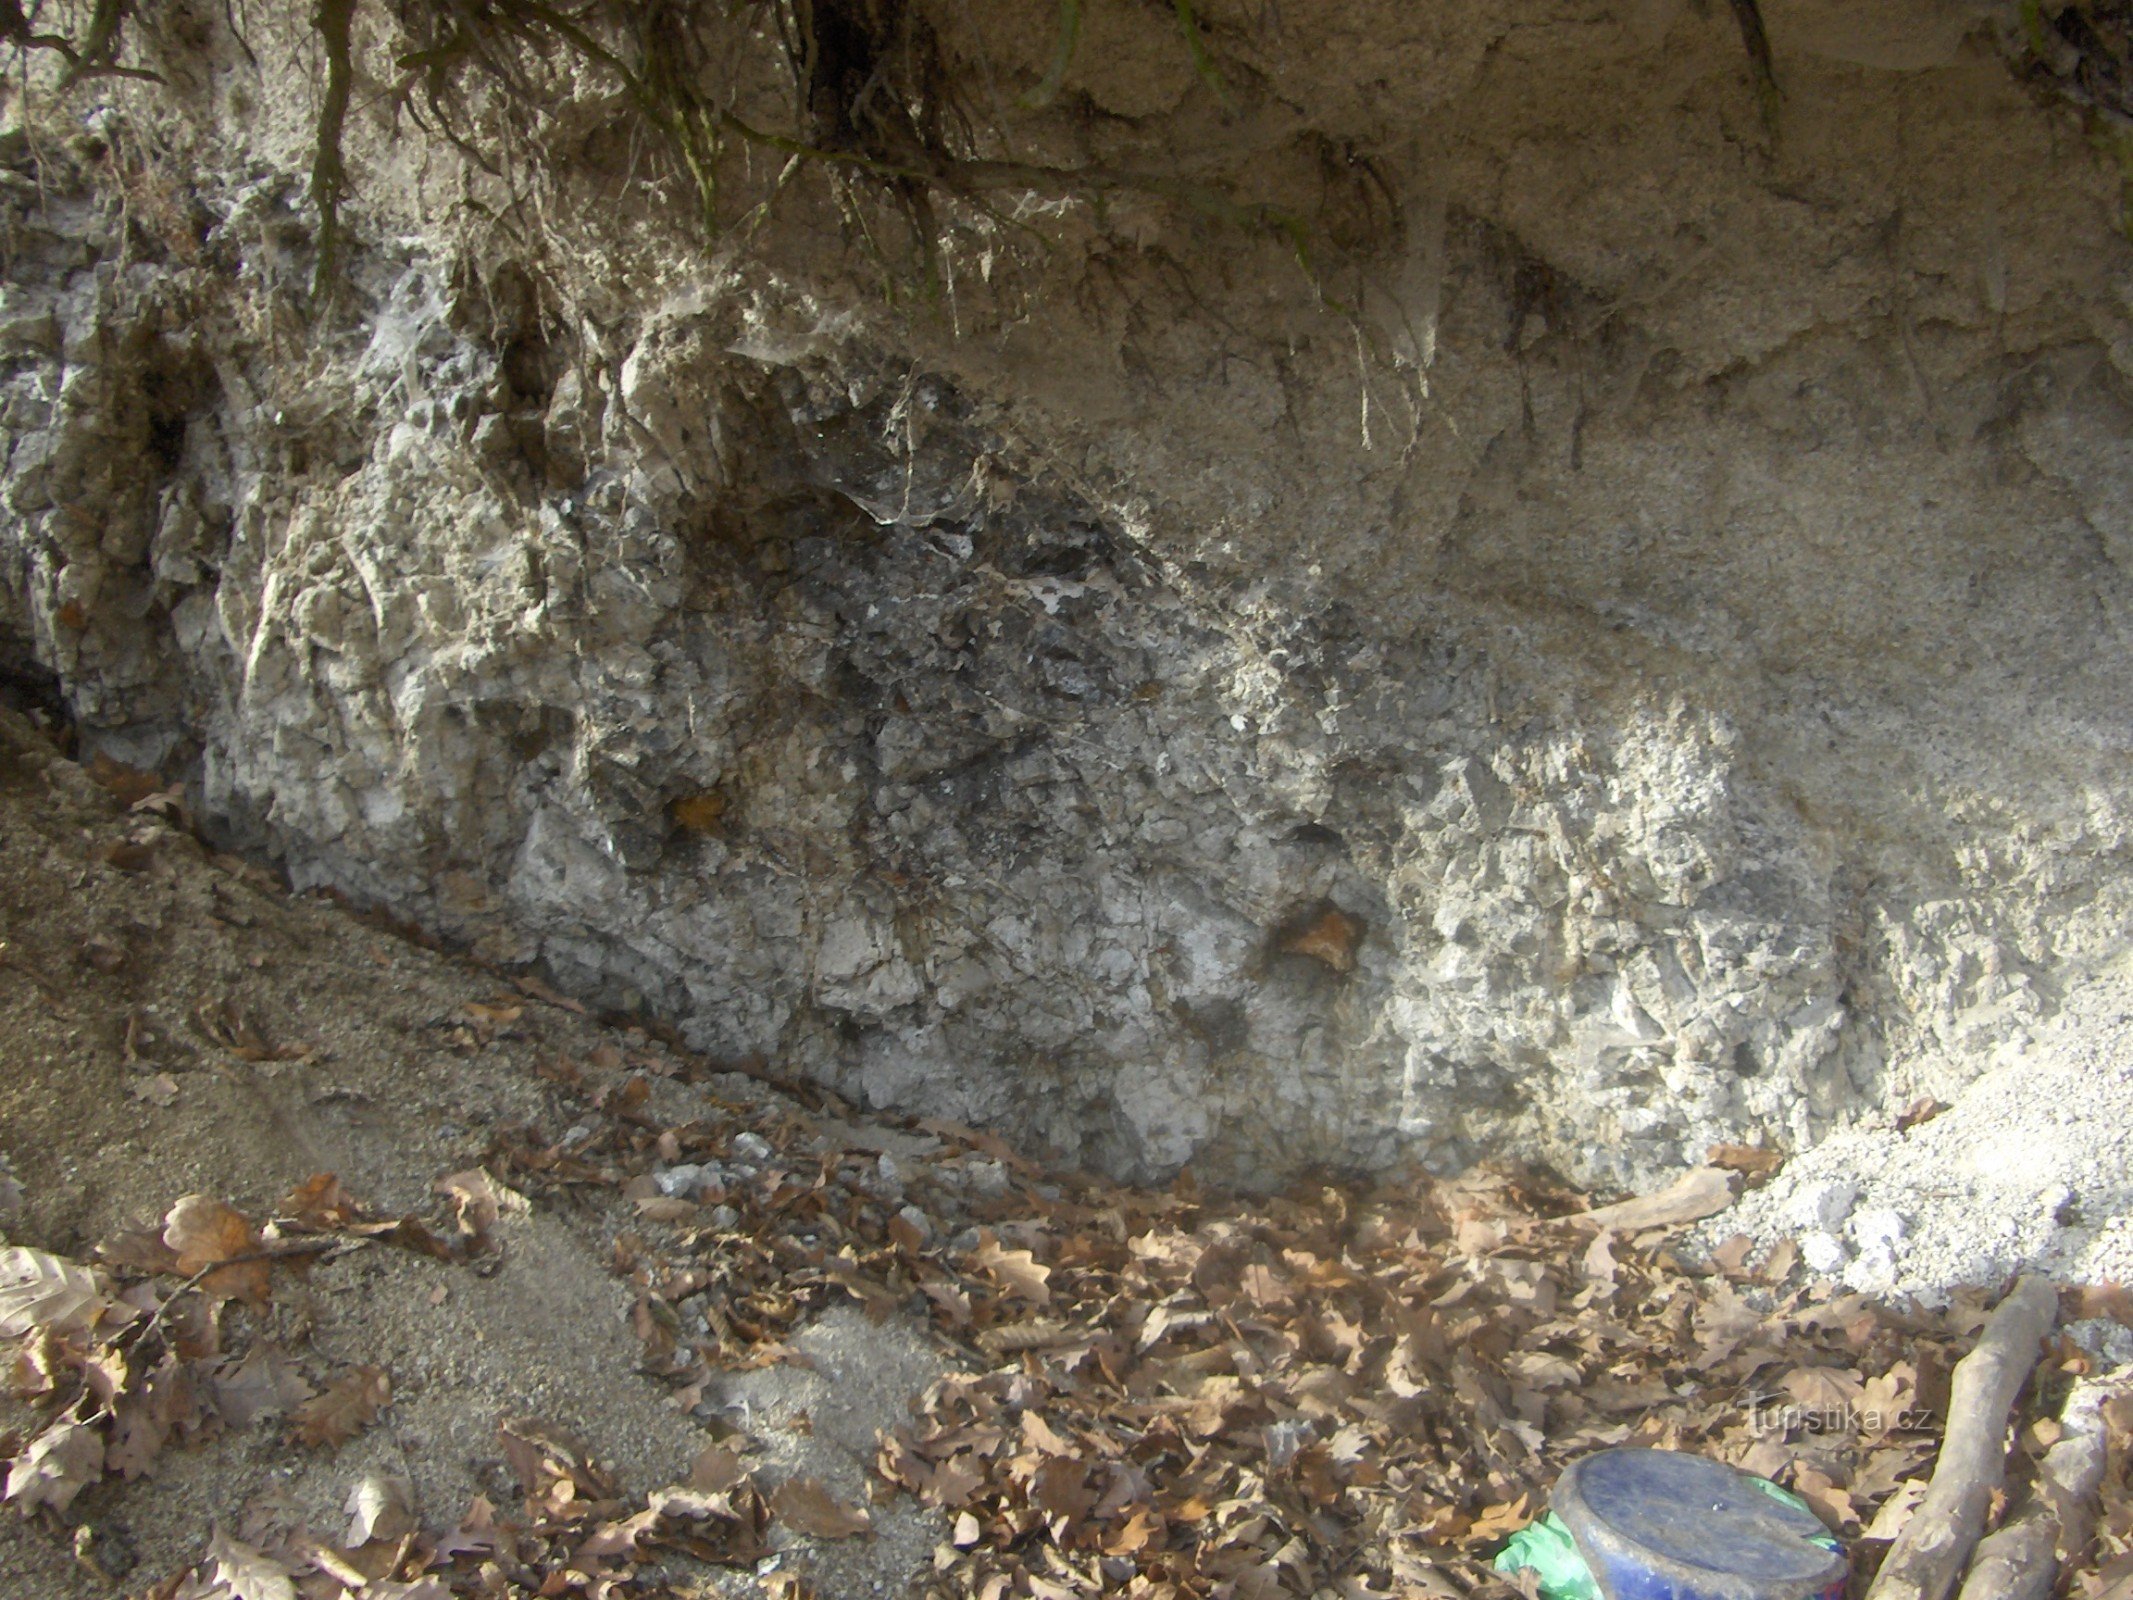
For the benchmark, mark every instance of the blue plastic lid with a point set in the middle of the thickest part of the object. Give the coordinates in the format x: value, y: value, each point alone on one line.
x: 1662, y: 1525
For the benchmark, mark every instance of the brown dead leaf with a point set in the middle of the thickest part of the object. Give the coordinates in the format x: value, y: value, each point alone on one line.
x: 168, y: 803
x: 533, y: 988
x: 159, y: 1090
x: 667, y: 1208
x: 344, y: 1409
x: 1831, y: 1503
x: 38, y: 1290
x: 717, y: 1470
x: 239, y: 1572
x: 1752, y: 1161
x: 144, y: 1419
x: 226, y: 1023
x: 1924, y: 1109
x: 953, y: 1483
x: 62, y: 1461
x: 1060, y: 1488
x: 1896, y: 1510
x: 480, y: 1201
x: 381, y: 1506
x: 806, y: 1506
x: 698, y: 813
x: 1500, y: 1520
x: 1015, y: 1271
x: 1731, y: 1258
x: 2082, y: 1302
x: 202, y: 1230
x: 1723, y: 1323
x: 1143, y: 1530
x: 320, y: 1202
x: 127, y: 855
x: 129, y: 785
x: 1828, y: 1392
x: 1783, y: 1257
x: 264, y: 1384
x: 1043, y: 1437
x: 618, y: 1538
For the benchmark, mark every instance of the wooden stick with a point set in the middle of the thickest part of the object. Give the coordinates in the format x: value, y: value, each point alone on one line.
x: 1929, y: 1554
x: 2020, y: 1562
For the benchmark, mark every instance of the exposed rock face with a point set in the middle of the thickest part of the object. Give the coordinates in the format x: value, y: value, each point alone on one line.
x: 1653, y: 673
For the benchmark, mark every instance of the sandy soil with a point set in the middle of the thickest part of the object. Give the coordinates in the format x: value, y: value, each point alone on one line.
x: 119, y: 926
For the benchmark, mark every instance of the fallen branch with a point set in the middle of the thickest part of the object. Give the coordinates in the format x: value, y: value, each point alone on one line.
x: 1929, y: 1554
x: 1698, y: 1193
x: 2055, y: 1522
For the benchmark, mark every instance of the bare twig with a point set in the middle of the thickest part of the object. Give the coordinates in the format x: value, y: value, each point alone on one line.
x: 284, y: 1252
x: 1928, y: 1555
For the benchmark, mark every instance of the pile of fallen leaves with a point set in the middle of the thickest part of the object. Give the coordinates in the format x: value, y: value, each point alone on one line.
x: 120, y: 1359
x: 1348, y: 1392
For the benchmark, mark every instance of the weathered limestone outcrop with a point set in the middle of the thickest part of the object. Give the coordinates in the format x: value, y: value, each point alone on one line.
x: 1646, y: 665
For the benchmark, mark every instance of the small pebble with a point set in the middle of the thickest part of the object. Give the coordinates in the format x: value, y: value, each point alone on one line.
x: 1823, y: 1252
x: 751, y: 1147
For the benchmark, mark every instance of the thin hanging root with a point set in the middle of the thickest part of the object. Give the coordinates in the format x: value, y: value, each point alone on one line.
x: 1757, y: 41
x: 1062, y: 57
x: 2054, y: 1524
x: 1928, y: 1556
x: 334, y: 20
x: 1203, y: 62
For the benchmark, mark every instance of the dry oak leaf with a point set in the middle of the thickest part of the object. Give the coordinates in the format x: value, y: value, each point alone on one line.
x: 1752, y: 1160
x: 349, y: 1405
x: 380, y: 1506
x: 1896, y: 1510
x: 480, y: 1201
x: 144, y: 1419
x: 1922, y: 1110
x: 1016, y: 1271
x: 617, y: 1538
x: 160, y: 1091
x: 1830, y: 1502
x: 717, y: 1470
x: 1060, y: 1488
x: 45, y: 1291
x: 239, y: 1572
x: 320, y: 1202
x: 264, y: 1384
x: 1499, y: 1520
x: 60, y: 1462
x: 2083, y: 1301
x: 202, y: 1231
x: 806, y: 1506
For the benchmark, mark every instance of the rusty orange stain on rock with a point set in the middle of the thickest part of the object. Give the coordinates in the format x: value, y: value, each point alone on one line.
x: 1330, y: 935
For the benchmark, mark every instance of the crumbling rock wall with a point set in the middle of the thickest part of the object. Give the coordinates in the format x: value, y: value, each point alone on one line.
x: 1653, y: 671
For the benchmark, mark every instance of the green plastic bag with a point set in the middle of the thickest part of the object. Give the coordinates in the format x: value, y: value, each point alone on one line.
x: 1546, y: 1548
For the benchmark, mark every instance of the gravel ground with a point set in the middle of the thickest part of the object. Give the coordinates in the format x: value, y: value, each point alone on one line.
x: 2030, y: 1169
